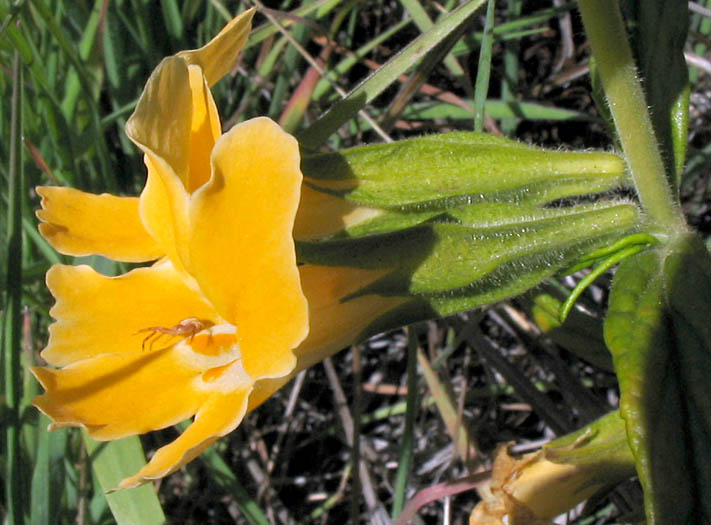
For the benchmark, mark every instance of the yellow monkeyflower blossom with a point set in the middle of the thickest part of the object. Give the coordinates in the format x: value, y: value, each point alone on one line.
x: 221, y: 311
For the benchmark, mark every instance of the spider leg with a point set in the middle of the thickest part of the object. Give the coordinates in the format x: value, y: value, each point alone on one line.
x: 153, y: 337
x: 145, y: 339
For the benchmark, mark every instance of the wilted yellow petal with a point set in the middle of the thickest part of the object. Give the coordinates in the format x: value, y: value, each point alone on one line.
x: 98, y: 315
x: 241, y: 249
x: 219, y: 415
x: 219, y: 55
x: 536, y: 487
x: 78, y: 223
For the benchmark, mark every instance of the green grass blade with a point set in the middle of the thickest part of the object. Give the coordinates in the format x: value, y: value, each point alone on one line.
x: 509, y: 84
x: 418, y: 77
x: 423, y: 23
x: 12, y: 336
x: 481, y: 86
x: 263, y: 32
x: 173, y: 20
x: 72, y: 86
x: 95, y: 137
x: 408, y: 437
x: 345, y: 65
x: 111, y: 462
x: 223, y: 476
x: 344, y: 110
x: 48, y: 475
x: 497, y: 109
x: 42, y: 245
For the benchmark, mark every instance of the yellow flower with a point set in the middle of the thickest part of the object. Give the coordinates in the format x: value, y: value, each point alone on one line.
x: 220, y: 312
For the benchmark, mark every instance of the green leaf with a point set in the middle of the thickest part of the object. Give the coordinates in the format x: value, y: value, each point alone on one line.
x: 662, y: 26
x: 658, y: 332
x: 113, y: 461
x: 461, y: 166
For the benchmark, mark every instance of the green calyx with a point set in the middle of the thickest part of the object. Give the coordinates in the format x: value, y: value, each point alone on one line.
x: 453, y: 169
x: 477, y: 254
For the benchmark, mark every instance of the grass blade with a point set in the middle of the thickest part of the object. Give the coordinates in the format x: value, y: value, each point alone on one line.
x: 375, y: 84
x: 447, y: 407
x: 48, y: 475
x: 72, y: 86
x: 497, y: 109
x: 408, y: 435
x: 509, y: 84
x: 223, y: 476
x: 423, y: 23
x: 12, y: 336
x: 111, y: 462
x: 173, y: 20
x: 481, y: 88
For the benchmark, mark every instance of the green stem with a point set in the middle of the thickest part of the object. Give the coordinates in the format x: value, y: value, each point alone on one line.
x: 13, y: 314
x: 608, y: 39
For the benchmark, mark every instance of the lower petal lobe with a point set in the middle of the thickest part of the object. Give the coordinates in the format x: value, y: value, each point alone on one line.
x: 98, y: 315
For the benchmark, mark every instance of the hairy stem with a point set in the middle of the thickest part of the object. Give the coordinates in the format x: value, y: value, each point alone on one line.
x: 606, y: 32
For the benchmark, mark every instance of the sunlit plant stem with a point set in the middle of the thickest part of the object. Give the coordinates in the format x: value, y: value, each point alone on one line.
x: 606, y: 32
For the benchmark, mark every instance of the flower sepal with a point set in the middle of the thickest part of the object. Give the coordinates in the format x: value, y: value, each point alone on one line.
x: 450, y: 169
x: 478, y: 254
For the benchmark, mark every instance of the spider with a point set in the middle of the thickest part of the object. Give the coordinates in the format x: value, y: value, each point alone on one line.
x: 186, y: 327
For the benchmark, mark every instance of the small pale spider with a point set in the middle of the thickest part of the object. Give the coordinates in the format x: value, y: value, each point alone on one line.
x: 186, y: 327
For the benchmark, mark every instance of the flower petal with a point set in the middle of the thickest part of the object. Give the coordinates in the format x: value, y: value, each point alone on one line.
x: 334, y: 323
x: 219, y: 55
x: 176, y: 125
x: 241, y: 247
x: 219, y: 416
x: 161, y: 126
x: 321, y: 214
x: 205, y: 129
x: 114, y: 395
x: 163, y: 209
x: 102, y: 315
x: 78, y: 223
